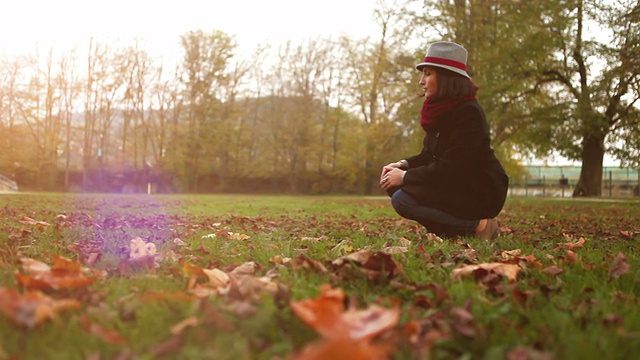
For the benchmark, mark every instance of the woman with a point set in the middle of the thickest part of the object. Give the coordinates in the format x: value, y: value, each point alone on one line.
x: 455, y: 186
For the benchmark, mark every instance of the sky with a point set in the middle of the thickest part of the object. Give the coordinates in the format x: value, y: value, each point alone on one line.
x: 27, y: 24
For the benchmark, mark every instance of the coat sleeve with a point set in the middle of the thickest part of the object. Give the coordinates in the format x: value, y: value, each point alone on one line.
x: 456, y: 152
x: 421, y: 159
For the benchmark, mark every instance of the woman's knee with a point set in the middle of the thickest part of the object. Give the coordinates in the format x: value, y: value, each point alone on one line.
x: 403, y: 203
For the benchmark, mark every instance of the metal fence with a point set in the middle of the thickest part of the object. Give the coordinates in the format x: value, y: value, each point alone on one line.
x: 559, y: 181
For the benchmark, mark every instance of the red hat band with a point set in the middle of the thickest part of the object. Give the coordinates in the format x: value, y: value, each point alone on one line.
x: 447, y: 62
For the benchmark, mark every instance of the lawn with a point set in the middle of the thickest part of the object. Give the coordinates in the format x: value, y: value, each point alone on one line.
x: 92, y: 276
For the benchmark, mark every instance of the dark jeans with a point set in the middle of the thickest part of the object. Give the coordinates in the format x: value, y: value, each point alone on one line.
x: 434, y: 220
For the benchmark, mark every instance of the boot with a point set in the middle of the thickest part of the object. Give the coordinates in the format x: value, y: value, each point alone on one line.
x: 490, y: 231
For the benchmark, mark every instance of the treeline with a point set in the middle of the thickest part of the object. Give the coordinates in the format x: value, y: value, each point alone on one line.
x: 323, y: 115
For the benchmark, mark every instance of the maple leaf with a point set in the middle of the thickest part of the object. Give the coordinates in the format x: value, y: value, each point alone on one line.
x: 327, y: 315
x: 347, y: 333
x: 32, y: 308
x: 619, y: 267
x: 510, y: 271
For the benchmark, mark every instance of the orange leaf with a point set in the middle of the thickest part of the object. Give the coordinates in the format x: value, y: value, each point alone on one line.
x: 189, y: 269
x: 326, y: 314
x: 570, y: 245
x: 32, y: 308
x: 323, y: 313
x: 343, y: 349
x: 64, y: 274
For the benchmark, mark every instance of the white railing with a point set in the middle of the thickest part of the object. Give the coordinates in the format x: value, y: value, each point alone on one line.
x: 7, y: 184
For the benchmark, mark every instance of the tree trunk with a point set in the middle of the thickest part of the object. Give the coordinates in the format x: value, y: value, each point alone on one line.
x: 590, y: 181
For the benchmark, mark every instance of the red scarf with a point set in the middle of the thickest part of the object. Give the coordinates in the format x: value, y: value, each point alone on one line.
x: 433, y: 110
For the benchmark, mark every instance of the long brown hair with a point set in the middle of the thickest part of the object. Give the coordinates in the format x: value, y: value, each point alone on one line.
x: 454, y: 86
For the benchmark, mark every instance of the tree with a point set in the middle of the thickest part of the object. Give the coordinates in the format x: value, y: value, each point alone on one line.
x: 205, y: 67
x: 378, y: 72
x: 546, y: 84
x: 10, y: 77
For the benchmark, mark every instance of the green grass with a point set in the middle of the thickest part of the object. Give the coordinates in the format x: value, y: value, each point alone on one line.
x: 580, y: 313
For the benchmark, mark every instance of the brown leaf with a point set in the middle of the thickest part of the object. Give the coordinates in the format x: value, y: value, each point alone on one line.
x: 376, y: 264
x: 463, y: 322
x: 109, y: 336
x: 570, y: 245
x: 552, y: 270
x: 302, y: 261
x: 170, y: 346
x: 526, y: 353
x: 619, y: 267
x: 510, y: 271
x: 32, y: 308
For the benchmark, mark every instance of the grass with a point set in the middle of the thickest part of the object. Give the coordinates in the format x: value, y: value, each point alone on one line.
x: 566, y: 305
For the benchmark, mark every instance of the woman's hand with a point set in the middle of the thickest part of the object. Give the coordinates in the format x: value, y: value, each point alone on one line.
x: 389, y: 167
x: 392, y: 178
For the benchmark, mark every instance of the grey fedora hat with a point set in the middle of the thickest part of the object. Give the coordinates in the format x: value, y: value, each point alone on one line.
x: 446, y: 55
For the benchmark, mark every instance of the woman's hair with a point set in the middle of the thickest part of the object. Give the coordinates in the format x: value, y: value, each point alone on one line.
x: 452, y: 85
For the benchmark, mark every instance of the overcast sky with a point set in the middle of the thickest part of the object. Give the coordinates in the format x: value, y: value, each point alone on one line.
x: 64, y: 23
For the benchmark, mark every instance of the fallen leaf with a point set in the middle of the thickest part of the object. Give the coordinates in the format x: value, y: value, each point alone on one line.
x: 139, y: 248
x: 182, y: 325
x: 570, y: 244
x: 552, y: 270
x: 526, y: 353
x: 109, y: 336
x: 342, y: 349
x: 32, y: 308
x: 619, y: 267
x: 510, y: 271
x: 64, y: 274
x: 327, y: 315
x: 170, y: 346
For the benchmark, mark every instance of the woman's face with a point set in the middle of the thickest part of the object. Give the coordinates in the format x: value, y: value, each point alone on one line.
x: 429, y: 81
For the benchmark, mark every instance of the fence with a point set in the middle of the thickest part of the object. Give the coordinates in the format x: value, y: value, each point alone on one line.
x: 7, y: 185
x: 559, y: 181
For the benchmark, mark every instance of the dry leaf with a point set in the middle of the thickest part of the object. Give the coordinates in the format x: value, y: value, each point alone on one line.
x: 32, y: 308
x: 64, y: 274
x: 343, y: 349
x: 327, y: 315
x: 510, y: 271
x: 570, y: 245
x: 619, y: 267
x: 182, y: 325
x: 552, y: 270
x: 139, y: 248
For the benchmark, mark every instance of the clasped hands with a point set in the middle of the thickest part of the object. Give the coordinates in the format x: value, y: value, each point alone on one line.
x: 392, y: 175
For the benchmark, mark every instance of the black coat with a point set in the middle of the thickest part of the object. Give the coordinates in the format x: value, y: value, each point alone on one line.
x: 457, y: 170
